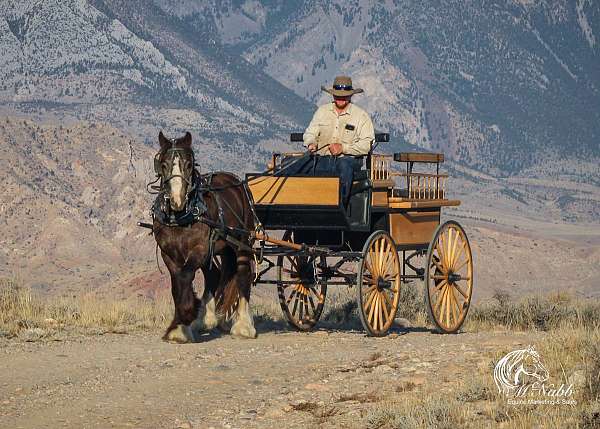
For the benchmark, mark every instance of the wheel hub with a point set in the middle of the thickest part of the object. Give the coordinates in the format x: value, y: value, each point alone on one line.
x: 382, y: 284
x: 453, y: 277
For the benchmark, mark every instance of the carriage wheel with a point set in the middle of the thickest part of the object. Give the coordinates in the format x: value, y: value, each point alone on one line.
x: 378, y: 283
x: 449, y: 277
x: 301, y: 301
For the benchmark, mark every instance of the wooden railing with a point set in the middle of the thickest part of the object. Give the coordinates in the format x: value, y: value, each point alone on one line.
x: 380, y: 167
x: 417, y: 186
x: 423, y: 185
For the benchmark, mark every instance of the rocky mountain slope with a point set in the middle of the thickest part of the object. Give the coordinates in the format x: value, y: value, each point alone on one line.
x: 133, y: 66
x: 499, y: 86
x: 85, y: 87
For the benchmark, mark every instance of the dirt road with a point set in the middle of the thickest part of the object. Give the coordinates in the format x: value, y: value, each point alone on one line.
x: 281, y: 379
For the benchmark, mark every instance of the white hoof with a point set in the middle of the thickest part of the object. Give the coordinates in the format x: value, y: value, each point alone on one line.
x: 207, y: 317
x: 181, y: 335
x: 241, y: 330
x: 243, y: 325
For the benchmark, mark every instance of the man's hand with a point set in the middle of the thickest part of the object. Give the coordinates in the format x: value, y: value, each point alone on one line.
x: 312, y: 147
x: 335, y: 149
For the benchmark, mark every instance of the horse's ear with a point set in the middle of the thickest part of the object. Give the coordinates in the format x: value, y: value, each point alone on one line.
x: 187, y: 139
x: 162, y: 139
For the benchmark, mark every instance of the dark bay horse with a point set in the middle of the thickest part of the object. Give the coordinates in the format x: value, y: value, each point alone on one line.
x: 185, y: 249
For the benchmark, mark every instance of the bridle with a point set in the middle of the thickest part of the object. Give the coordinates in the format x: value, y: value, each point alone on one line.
x: 169, y: 155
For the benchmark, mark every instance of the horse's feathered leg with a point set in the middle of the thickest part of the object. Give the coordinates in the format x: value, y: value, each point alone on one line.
x: 207, y: 317
x: 186, y: 303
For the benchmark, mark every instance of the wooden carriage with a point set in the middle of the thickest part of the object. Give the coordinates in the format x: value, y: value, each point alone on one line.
x: 391, y: 222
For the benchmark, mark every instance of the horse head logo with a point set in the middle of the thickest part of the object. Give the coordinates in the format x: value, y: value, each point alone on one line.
x: 518, y: 370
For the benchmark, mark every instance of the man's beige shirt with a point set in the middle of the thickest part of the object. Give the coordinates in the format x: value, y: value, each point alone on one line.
x: 353, y: 129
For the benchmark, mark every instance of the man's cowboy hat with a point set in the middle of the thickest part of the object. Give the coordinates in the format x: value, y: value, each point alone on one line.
x: 342, y: 87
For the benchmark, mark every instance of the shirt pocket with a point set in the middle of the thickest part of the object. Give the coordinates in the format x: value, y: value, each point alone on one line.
x: 348, y: 135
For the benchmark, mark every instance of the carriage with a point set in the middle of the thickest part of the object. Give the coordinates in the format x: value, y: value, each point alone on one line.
x: 390, y: 232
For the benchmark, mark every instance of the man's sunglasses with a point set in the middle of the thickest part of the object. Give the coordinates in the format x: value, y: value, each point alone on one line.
x: 342, y: 87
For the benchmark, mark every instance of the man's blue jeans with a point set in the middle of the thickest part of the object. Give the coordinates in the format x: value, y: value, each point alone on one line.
x: 325, y: 165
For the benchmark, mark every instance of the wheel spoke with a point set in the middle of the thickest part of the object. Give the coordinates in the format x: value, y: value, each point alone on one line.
x: 439, y: 286
x: 458, y: 288
x: 289, y: 299
x: 461, y: 266
x: 448, y: 305
x: 369, y: 289
x: 386, y: 259
x: 442, y: 251
x: 293, y: 263
x: 305, y: 306
x: 295, y: 305
x: 460, y: 252
x: 368, y: 263
x: 312, y: 304
x: 439, y: 267
x: 453, y: 253
x: 436, y: 277
x: 379, y: 249
x: 374, y: 262
x: 440, y: 304
x: 386, y: 312
x: 377, y: 310
x: 449, y: 246
x: 369, y: 300
x: 372, y: 309
x: 456, y: 311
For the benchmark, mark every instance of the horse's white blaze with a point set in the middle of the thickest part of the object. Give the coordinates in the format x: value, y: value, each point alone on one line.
x: 243, y: 325
x: 176, y: 184
x: 207, y: 314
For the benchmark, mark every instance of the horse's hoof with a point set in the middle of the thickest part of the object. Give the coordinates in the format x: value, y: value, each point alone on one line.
x: 180, y: 335
x: 243, y: 331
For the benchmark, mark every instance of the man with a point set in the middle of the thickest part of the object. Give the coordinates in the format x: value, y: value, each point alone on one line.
x: 340, y: 131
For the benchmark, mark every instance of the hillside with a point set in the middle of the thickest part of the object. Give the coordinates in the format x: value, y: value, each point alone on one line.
x: 499, y: 86
x: 86, y: 86
x: 140, y: 72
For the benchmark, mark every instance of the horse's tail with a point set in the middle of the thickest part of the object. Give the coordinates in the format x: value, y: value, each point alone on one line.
x: 227, y: 297
x: 228, y: 293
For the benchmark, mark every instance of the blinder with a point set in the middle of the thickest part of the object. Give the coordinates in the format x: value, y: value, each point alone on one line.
x: 171, y: 153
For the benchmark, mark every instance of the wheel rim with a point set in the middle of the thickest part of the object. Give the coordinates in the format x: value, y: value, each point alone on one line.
x: 449, y: 277
x: 300, y: 297
x: 379, y: 284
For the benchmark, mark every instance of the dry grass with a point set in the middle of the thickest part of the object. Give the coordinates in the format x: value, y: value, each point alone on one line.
x: 541, y: 313
x: 21, y: 310
x: 29, y: 316
x: 571, y: 356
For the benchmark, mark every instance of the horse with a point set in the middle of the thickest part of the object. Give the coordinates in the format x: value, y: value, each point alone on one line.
x: 193, y: 245
x: 519, y: 369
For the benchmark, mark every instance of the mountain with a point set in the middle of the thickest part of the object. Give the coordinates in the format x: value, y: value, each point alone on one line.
x: 497, y: 85
x: 508, y: 91
x: 134, y: 66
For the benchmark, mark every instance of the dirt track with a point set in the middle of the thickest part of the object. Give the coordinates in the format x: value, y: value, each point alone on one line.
x: 281, y: 379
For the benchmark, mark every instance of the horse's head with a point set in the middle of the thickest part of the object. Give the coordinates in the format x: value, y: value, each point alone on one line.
x: 174, y: 163
x: 532, y: 365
